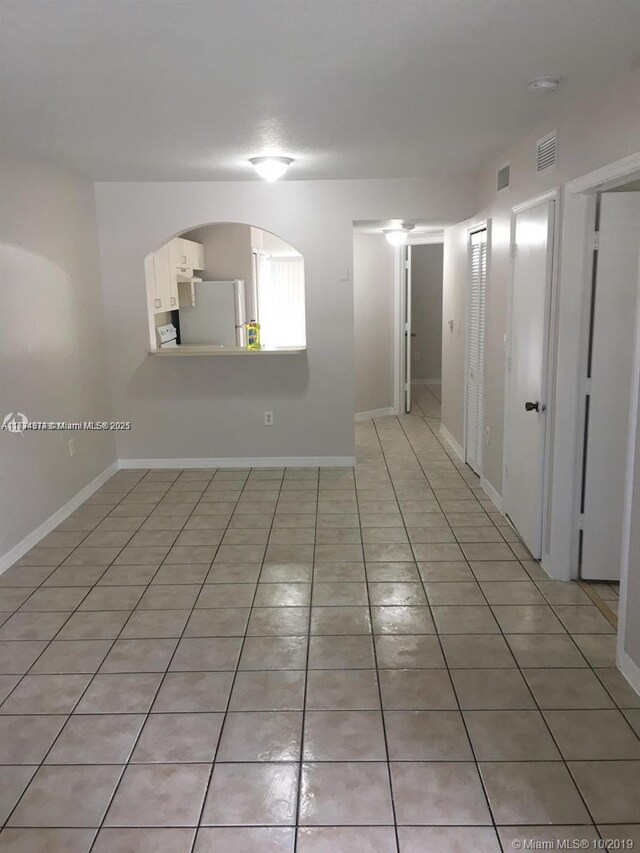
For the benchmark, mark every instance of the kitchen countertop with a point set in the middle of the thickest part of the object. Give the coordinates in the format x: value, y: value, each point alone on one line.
x: 202, y: 350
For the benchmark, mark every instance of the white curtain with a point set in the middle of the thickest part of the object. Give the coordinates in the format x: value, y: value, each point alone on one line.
x: 281, y: 301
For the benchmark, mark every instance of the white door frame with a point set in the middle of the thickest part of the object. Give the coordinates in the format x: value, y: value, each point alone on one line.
x: 573, y: 313
x: 548, y: 367
x: 483, y: 224
x: 398, y: 313
x: 398, y: 326
x: 627, y: 666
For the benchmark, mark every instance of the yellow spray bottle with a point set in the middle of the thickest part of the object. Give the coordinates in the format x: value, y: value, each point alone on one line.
x: 253, y: 335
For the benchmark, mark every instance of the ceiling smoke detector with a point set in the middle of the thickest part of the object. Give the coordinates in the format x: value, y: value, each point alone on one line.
x: 544, y: 84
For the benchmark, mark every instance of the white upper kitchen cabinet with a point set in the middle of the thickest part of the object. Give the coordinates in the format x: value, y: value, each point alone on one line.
x: 166, y: 285
x: 197, y: 255
x: 186, y: 255
x: 180, y: 254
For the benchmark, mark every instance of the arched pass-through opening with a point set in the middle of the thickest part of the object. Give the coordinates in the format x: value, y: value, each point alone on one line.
x: 225, y: 288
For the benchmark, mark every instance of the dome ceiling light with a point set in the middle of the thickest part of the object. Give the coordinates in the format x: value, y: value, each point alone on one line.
x: 271, y: 168
x: 398, y: 236
x: 544, y: 84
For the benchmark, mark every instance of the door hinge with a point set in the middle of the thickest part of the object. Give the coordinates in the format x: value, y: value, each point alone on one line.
x: 506, y: 471
x: 509, y: 365
x: 587, y: 386
x: 596, y: 241
x: 581, y: 521
x: 407, y: 265
x: 514, y: 250
x: 407, y: 386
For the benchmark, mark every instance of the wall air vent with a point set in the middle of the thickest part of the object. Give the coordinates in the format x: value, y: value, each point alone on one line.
x: 504, y: 175
x: 547, y: 151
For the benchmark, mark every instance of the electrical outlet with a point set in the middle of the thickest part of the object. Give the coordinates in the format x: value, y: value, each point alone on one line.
x: 72, y: 447
x: 268, y: 418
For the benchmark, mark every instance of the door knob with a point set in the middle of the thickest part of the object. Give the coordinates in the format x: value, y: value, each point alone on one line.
x: 532, y: 407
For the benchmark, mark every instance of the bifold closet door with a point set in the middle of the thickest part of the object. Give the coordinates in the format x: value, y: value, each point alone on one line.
x: 475, y: 350
x: 612, y: 347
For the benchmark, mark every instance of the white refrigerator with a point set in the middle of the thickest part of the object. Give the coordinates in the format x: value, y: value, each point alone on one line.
x: 217, y: 316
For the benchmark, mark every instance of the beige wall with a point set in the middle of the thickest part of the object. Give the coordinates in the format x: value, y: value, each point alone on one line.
x: 455, y: 288
x: 227, y: 254
x: 426, y: 311
x: 204, y: 408
x: 591, y: 134
x: 373, y: 292
x: 52, y: 347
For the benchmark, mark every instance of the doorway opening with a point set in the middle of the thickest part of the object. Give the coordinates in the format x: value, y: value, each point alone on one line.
x: 608, y: 367
x: 397, y: 321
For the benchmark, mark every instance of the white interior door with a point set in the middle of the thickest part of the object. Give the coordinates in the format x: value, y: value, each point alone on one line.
x: 532, y: 271
x: 611, y: 360
x: 407, y: 328
x: 475, y: 350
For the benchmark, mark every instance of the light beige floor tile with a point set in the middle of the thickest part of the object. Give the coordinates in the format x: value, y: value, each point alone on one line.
x: 176, y: 738
x: 159, y: 795
x: 448, y: 839
x: 241, y: 794
x: 491, y: 689
x: 426, y: 736
x: 567, y: 688
x: 611, y: 789
x: 532, y: 793
x: 244, y: 839
x: 346, y: 839
x: 67, y: 797
x: 510, y: 736
x: 548, y: 835
x: 409, y: 690
x: 112, y: 840
x: 438, y: 793
x: 344, y: 736
x: 345, y: 793
x: 261, y: 736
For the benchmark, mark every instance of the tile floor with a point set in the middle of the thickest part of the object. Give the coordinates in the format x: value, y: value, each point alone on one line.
x: 334, y: 660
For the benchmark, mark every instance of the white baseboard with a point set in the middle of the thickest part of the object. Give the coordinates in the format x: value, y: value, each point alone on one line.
x: 486, y: 486
x: 450, y: 440
x: 629, y: 669
x: 54, y: 520
x: 244, y: 462
x: 374, y: 413
x: 32, y: 539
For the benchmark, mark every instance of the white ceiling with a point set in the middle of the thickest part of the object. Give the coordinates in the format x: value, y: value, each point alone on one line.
x: 189, y: 89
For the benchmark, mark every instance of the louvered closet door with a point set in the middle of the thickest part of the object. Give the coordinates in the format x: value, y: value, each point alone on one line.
x: 475, y: 350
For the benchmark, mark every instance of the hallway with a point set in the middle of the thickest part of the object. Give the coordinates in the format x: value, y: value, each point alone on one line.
x: 187, y: 646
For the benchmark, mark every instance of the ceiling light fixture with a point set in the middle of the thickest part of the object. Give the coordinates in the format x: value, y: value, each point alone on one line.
x: 544, y: 84
x: 271, y: 168
x: 398, y: 236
